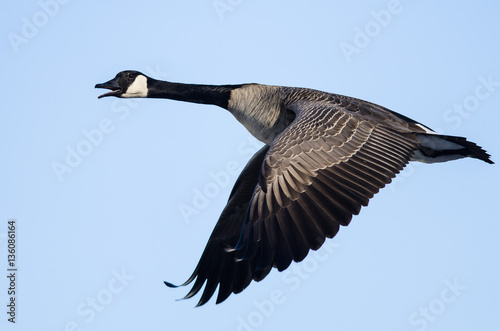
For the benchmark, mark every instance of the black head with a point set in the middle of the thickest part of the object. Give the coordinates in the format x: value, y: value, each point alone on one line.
x: 126, y: 84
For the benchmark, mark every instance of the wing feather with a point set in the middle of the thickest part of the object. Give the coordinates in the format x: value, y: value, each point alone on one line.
x: 292, y: 195
x: 218, y: 265
x: 320, y: 171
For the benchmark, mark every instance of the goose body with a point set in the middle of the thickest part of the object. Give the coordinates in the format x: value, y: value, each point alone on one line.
x: 325, y: 156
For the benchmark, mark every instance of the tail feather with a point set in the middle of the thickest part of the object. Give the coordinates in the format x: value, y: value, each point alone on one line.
x: 441, y: 148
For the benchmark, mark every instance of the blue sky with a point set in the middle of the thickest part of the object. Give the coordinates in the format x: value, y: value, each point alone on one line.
x: 99, y: 188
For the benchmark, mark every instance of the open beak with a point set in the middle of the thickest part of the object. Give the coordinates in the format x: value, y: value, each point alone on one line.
x: 112, y: 85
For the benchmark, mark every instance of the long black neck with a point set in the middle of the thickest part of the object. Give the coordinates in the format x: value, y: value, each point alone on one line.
x: 207, y: 94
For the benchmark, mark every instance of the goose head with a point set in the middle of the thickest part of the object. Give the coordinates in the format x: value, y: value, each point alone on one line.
x: 126, y: 84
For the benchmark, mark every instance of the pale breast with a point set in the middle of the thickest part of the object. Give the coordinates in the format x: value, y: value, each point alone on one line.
x: 260, y: 109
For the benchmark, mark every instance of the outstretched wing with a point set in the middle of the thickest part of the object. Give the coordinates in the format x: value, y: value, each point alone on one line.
x: 292, y: 195
x: 218, y: 266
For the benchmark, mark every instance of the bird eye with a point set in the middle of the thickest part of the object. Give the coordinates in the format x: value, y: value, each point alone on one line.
x: 130, y: 75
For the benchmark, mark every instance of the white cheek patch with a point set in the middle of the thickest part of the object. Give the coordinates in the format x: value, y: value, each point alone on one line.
x: 138, y: 89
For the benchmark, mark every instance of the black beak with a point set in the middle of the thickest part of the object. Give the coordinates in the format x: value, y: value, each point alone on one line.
x: 112, y: 85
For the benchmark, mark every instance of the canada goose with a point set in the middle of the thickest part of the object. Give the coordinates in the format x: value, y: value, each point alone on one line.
x: 325, y: 156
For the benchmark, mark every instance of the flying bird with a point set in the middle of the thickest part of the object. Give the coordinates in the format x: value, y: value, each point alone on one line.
x: 325, y: 156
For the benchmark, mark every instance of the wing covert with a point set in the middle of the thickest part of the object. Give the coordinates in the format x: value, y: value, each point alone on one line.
x: 317, y: 174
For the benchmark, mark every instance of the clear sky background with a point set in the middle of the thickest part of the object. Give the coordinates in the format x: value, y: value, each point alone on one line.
x: 113, y: 197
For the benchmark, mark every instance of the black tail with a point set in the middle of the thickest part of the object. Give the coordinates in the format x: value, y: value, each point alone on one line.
x: 440, y: 148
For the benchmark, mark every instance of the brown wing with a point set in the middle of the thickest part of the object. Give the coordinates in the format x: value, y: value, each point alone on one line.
x: 292, y: 195
x: 316, y: 175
